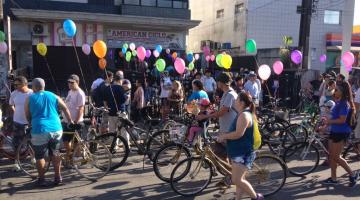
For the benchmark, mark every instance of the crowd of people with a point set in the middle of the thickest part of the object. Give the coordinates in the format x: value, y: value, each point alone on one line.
x: 236, y: 96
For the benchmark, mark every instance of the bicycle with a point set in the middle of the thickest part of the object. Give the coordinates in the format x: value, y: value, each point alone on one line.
x: 86, y: 156
x: 146, y: 142
x: 261, y: 177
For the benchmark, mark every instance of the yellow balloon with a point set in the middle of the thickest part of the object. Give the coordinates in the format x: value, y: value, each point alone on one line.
x: 41, y: 49
x: 226, y: 61
x: 100, y: 48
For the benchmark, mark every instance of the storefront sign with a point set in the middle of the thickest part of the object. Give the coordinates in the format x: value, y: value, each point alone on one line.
x: 148, y: 39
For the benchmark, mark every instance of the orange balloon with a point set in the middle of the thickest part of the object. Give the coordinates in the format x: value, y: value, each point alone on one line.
x: 174, y: 55
x: 102, y: 63
x: 100, y: 48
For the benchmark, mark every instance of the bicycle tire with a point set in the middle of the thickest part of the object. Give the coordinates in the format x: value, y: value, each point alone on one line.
x: 284, y: 140
x: 118, y: 147
x: 27, y: 153
x: 156, y: 141
x: 349, y: 149
x: 301, y: 135
x: 169, y: 163
x: 84, y: 155
x: 297, y: 150
x: 267, y: 166
x: 193, y: 162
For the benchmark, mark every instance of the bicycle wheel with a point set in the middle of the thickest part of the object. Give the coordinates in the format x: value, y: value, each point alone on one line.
x: 92, y: 159
x: 156, y: 141
x: 304, y: 153
x: 299, y: 131
x: 194, y: 178
x: 25, y: 158
x: 118, y: 148
x: 279, y: 140
x: 268, y: 174
x: 166, y: 159
x: 352, y: 149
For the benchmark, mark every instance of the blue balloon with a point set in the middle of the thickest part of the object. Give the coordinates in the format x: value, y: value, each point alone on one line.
x: 69, y: 28
x: 123, y: 50
x: 190, y: 57
x: 158, y: 48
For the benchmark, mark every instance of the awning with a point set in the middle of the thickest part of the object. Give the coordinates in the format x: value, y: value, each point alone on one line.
x: 131, y: 21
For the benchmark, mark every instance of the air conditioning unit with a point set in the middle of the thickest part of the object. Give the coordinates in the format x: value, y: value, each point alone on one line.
x: 208, y: 43
x: 39, y: 29
x: 217, y: 45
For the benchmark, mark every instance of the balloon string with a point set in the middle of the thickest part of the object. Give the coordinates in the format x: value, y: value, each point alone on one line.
x: 267, y: 87
x: 112, y: 92
x: 79, y: 64
x: 52, y: 76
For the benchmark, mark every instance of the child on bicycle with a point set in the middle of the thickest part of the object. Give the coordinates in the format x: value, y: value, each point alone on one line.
x: 204, y: 105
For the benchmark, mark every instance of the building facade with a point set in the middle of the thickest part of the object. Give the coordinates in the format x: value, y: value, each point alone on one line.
x: 143, y: 22
x: 227, y: 24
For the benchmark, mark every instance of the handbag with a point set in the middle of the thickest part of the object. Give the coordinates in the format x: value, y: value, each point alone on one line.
x: 257, y: 135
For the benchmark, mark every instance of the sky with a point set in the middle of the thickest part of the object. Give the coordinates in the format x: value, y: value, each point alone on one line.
x: 357, y: 13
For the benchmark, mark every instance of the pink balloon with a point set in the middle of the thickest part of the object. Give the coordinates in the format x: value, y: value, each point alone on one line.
x: 141, y: 53
x: 323, y: 58
x: 156, y: 53
x: 180, y: 65
x: 148, y: 53
x: 206, y: 50
x: 3, y: 47
x: 296, y: 56
x: 264, y: 72
x: 348, y: 59
x: 86, y: 49
x: 212, y: 58
x: 197, y: 56
x: 207, y: 58
x: 348, y: 68
x: 278, y: 67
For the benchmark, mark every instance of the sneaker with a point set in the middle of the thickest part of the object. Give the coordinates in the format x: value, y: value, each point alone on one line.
x: 352, y: 180
x: 41, y: 182
x: 58, y: 181
x: 259, y: 197
x: 330, y: 181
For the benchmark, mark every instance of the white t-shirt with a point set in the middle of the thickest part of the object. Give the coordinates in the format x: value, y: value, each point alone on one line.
x: 209, y: 84
x: 17, y: 99
x: 357, y: 96
x: 166, y: 83
x: 74, y: 101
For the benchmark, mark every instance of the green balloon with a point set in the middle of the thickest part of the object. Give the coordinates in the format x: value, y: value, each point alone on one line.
x: 251, y: 46
x: 125, y: 46
x: 128, y: 56
x: 191, y: 66
x: 134, y: 53
x: 160, y: 65
x: 218, y: 59
x: 2, y: 36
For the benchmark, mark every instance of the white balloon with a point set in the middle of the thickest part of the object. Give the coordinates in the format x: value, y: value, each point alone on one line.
x: 264, y: 72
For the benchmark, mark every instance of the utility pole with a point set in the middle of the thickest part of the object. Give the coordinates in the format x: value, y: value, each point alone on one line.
x: 306, y: 10
x: 347, y: 25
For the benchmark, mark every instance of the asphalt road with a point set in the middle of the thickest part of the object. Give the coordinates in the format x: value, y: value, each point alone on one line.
x: 135, y: 182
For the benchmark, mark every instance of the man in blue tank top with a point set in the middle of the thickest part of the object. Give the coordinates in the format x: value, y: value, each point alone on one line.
x: 41, y: 109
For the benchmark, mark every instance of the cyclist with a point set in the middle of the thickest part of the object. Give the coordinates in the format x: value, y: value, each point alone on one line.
x: 17, y: 101
x: 41, y: 108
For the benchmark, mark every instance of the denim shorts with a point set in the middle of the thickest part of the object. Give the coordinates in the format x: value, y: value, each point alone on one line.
x: 247, y: 159
x: 46, y: 142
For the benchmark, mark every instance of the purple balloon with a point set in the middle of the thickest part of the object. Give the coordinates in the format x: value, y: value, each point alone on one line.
x: 148, y: 53
x: 323, y: 58
x: 296, y: 57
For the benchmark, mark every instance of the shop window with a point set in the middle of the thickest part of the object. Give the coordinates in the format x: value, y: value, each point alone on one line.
x: 132, y: 2
x: 148, y: 2
x: 239, y: 8
x: 180, y: 4
x: 165, y: 3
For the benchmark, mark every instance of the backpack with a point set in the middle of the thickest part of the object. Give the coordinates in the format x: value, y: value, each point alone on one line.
x: 257, y: 135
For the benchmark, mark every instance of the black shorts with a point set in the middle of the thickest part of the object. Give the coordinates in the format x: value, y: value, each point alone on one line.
x: 339, y: 137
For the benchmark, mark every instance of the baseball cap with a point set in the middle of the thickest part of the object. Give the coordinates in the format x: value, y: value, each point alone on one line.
x: 252, y: 73
x: 224, y: 78
x: 74, y: 77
